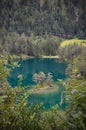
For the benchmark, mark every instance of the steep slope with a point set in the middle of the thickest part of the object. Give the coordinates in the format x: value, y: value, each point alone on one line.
x: 40, y: 16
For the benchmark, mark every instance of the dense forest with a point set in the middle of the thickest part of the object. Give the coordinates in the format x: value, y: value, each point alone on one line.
x: 21, y: 22
x: 34, y: 29
x: 44, y: 16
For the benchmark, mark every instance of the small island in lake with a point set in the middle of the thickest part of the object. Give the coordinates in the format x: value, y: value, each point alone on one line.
x: 44, y: 84
x: 45, y: 89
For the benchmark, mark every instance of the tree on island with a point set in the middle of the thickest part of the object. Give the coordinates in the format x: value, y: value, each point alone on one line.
x: 39, y: 78
x: 49, y: 80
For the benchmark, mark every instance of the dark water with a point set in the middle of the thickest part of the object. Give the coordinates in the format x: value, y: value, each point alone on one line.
x: 29, y: 67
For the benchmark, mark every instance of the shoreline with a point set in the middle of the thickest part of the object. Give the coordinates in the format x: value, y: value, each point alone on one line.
x: 45, y: 90
x: 25, y: 57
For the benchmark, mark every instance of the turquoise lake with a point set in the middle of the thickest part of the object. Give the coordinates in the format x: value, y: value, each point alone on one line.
x: 28, y: 67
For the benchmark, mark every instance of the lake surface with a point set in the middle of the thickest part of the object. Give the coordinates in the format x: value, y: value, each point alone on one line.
x: 29, y: 67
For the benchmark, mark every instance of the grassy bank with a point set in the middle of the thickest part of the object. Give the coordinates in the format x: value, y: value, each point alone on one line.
x: 73, y: 41
x: 51, y: 57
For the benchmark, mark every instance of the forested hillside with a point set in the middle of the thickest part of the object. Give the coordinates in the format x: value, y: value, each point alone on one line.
x: 58, y: 17
x: 43, y: 29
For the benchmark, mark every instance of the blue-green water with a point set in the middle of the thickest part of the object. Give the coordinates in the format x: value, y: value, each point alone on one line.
x: 49, y: 99
x: 29, y: 67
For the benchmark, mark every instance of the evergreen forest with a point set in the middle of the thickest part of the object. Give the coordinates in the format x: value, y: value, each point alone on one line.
x: 43, y: 29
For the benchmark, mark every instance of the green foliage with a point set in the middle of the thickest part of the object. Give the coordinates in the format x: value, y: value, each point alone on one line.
x: 76, y: 99
x: 78, y: 66
x: 28, y: 45
x: 76, y: 93
x: 70, y: 51
x: 39, y: 78
x: 43, y: 16
x: 53, y: 119
x: 49, y: 79
x: 12, y: 103
x: 73, y: 41
x: 15, y: 114
x: 3, y: 71
x: 42, y: 80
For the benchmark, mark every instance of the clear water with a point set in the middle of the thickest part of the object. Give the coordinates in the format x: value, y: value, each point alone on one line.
x: 49, y: 99
x: 29, y: 67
